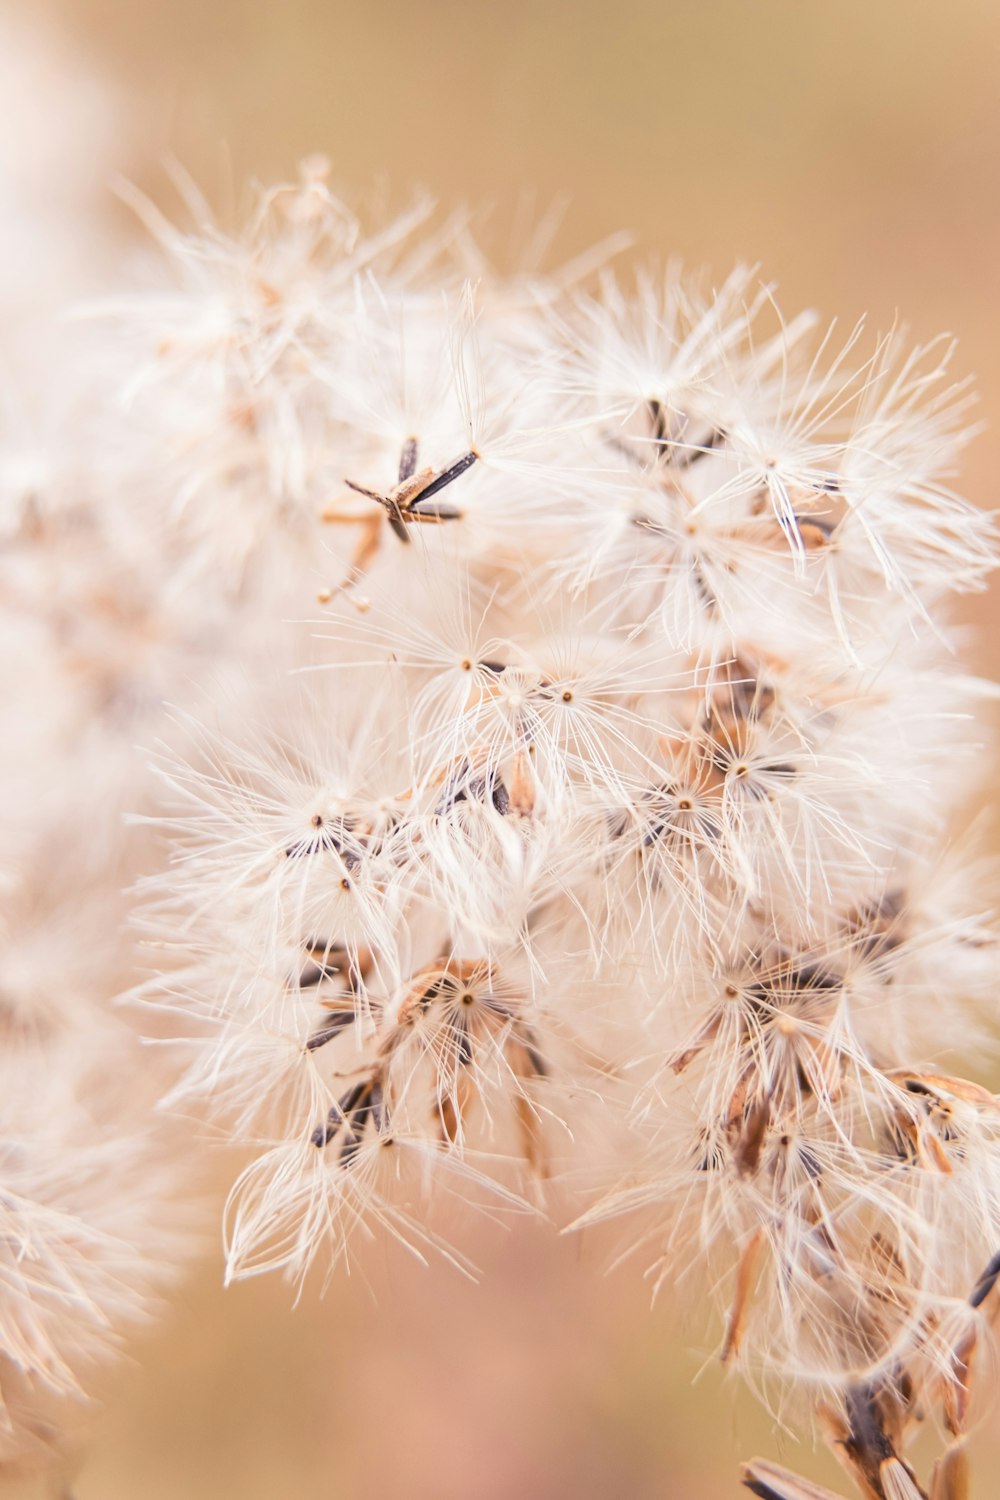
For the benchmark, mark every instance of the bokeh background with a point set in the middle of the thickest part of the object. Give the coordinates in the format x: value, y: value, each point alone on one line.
x: 853, y: 150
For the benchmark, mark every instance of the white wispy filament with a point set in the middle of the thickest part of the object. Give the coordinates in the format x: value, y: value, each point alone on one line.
x: 602, y: 848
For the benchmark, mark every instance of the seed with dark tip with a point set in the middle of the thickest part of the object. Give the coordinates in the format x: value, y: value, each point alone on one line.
x: 986, y: 1282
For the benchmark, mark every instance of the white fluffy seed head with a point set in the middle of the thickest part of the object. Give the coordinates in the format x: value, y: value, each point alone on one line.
x: 603, y: 851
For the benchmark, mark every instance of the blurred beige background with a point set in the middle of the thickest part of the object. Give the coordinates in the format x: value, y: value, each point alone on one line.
x: 852, y: 148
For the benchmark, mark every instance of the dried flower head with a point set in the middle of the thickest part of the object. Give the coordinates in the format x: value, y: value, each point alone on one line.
x: 606, y: 851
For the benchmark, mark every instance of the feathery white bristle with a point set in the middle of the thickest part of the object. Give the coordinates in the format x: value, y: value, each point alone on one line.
x: 598, y: 848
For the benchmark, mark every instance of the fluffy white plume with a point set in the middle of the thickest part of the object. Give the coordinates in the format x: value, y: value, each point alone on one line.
x: 605, y: 851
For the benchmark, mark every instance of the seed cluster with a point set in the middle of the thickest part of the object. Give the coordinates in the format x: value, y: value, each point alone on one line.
x: 600, y: 855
